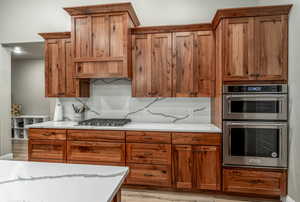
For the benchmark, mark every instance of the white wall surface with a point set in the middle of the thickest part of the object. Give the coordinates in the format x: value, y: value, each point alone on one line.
x: 21, y: 20
x: 5, y: 100
x: 28, y: 87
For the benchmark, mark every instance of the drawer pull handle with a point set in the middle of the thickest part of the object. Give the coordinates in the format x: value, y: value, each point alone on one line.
x: 256, y: 181
x: 148, y: 175
x: 48, y: 134
x: 148, y: 138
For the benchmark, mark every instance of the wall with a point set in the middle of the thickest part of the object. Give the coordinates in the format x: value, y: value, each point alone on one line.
x: 294, y: 95
x: 28, y: 87
x: 111, y: 98
x: 27, y: 18
x: 5, y: 97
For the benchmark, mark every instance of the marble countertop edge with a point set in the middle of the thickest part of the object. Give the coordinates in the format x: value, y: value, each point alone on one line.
x: 134, y: 126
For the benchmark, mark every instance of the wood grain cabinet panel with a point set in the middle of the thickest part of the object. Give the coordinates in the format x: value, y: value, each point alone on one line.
x: 254, y: 181
x: 152, y: 65
x: 47, y: 150
x: 271, y: 51
x: 207, y: 167
x: 101, y: 41
x: 182, y: 166
x: 60, y: 68
x: 196, y: 138
x: 185, y: 71
x: 239, y: 49
x: 95, y: 151
x: 148, y: 137
x: 152, y: 175
x: 96, y: 135
x: 47, y: 134
x: 159, y: 154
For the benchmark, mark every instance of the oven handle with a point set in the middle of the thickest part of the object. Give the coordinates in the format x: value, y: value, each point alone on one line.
x: 255, y: 124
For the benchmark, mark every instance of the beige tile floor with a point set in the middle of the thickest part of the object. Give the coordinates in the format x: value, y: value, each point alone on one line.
x: 132, y: 195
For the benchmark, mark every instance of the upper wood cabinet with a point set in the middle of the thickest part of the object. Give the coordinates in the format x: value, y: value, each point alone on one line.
x: 60, y: 68
x: 101, y: 40
x: 152, y: 70
x: 173, y: 64
x: 255, y: 43
x: 256, y: 48
x: 271, y: 47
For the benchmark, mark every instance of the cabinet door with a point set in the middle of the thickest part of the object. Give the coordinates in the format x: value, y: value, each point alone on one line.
x: 161, y: 65
x: 271, y: 38
x: 47, y: 150
x: 95, y: 151
x: 100, y: 36
x: 207, y: 167
x: 182, y: 166
x: 82, y: 36
x: 118, y: 36
x: 239, y: 49
x: 185, y: 71
x: 55, y: 73
x: 205, y: 61
x: 70, y: 68
x: 141, y: 63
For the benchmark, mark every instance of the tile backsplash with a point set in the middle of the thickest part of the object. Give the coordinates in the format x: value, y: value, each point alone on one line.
x: 111, y: 98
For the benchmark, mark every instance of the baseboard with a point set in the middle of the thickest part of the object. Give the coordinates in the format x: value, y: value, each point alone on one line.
x: 287, y: 199
x: 8, y: 156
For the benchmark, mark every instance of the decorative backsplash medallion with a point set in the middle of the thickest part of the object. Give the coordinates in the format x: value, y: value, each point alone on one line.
x: 111, y: 98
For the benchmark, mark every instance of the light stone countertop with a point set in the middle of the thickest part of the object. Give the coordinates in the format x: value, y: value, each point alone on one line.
x: 56, y: 182
x: 134, y: 126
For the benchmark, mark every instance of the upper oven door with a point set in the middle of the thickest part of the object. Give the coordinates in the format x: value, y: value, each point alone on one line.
x: 255, y: 143
x: 255, y: 107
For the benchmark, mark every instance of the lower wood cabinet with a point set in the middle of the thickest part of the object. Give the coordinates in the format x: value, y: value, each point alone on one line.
x: 47, y: 150
x: 151, y: 175
x: 196, y: 167
x: 95, y: 151
x: 254, y: 181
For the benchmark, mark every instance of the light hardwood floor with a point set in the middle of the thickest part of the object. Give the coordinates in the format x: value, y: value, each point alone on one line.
x: 133, y: 195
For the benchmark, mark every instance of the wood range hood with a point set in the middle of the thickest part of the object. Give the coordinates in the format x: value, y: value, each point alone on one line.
x: 101, y: 40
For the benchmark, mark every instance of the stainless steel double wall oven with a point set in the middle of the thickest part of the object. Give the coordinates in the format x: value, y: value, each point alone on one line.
x: 255, y: 123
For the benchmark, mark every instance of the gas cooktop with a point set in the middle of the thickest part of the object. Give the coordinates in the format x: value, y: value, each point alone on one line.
x: 104, y: 122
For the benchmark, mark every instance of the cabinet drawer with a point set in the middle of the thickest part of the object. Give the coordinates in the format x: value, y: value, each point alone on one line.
x: 96, y: 135
x: 148, y: 137
x: 148, y: 153
x: 149, y: 175
x: 47, y: 150
x: 254, y: 182
x: 196, y: 138
x: 95, y: 151
x: 98, y: 163
x: 47, y: 134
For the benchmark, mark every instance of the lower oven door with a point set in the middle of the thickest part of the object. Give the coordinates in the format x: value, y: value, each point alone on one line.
x: 256, y: 107
x: 255, y: 144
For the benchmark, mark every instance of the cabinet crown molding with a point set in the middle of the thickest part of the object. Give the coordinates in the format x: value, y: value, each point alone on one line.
x: 250, y: 12
x: 171, y: 28
x: 55, y: 35
x: 105, y: 8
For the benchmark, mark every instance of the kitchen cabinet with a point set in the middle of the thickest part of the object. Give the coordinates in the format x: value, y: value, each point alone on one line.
x: 152, y: 65
x: 47, y: 145
x: 101, y: 40
x: 60, y: 69
x: 196, y: 166
x: 255, y: 181
x: 256, y: 48
x: 173, y: 64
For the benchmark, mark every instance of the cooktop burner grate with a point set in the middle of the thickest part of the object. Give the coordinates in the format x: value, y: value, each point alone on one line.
x: 104, y: 122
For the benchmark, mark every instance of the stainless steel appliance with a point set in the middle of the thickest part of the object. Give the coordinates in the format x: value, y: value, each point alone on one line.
x: 255, y: 123
x: 104, y: 122
x: 255, y: 102
x: 255, y: 143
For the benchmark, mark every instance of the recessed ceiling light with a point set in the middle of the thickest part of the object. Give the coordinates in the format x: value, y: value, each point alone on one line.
x: 18, y: 50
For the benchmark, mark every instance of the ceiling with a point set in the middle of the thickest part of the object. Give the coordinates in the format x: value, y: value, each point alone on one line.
x: 32, y: 50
